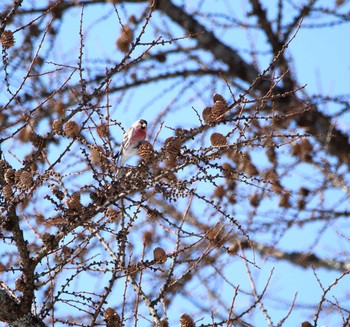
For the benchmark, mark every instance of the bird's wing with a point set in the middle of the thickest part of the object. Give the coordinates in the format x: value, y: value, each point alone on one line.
x: 125, y: 143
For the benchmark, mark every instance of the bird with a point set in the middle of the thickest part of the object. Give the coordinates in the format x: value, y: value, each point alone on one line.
x: 132, y: 139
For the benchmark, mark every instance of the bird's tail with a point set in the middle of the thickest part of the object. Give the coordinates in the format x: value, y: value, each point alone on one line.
x: 117, y: 158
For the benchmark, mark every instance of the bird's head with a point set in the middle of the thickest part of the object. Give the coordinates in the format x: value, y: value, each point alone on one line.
x: 143, y: 123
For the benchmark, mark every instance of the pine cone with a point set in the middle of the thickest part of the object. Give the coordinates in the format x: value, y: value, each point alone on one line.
x: 26, y: 179
x: 72, y: 129
x: 219, y: 109
x: 217, y: 139
x: 56, y: 126
x: 125, y: 38
x: 227, y: 170
x: 37, y: 140
x: 7, y: 39
x: 10, y: 176
x: 4, y: 166
x: 186, y: 321
x: 306, y: 324
x: 73, y: 202
x: 103, y: 130
x: 60, y: 108
x: 112, y: 318
x: 172, y: 147
x: 159, y: 255
x: 7, y: 192
x: 145, y: 151
x: 220, y: 192
x: 219, y: 97
x: 207, y: 115
x: 152, y: 214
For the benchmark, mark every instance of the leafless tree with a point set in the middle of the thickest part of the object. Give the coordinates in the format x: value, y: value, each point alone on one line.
x: 243, y: 178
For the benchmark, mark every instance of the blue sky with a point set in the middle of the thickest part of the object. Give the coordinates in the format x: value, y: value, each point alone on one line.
x: 321, y: 60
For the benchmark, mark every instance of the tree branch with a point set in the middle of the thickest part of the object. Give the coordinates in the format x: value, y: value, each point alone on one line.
x: 10, y: 312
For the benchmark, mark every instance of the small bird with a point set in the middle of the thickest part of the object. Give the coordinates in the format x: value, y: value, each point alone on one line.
x: 133, y: 137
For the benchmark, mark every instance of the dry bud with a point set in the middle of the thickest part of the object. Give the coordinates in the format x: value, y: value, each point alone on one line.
x: 217, y: 139
x: 48, y: 239
x: 296, y: 150
x: 72, y: 129
x: 57, y: 221
x: 277, y: 187
x: 8, y: 223
x: 227, y: 170
x: 20, y: 284
x: 24, y: 134
x: 145, y: 151
x: 66, y: 251
x: 159, y: 255
x: 39, y: 61
x: 303, y: 150
x: 34, y: 30
x: 170, y: 163
x: 57, y: 192
x: 220, y: 192
x: 270, y: 175
x: 56, y: 8
x: 250, y: 169
x: 306, y: 146
x: 232, y: 198
x: 186, y: 321
x: 208, y: 115
x: 113, y: 214
x: 3, y: 118
x: 133, y: 19
x: 132, y: 270
x: 18, y: 175
x: 271, y: 154
x: 7, y: 39
x: 216, y: 234
x: 148, y: 237
x: 280, y: 122
x: 235, y: 155
x: 254, y: 200
x: 152, y: 214
x: 255, y: 122
x: 304, y: 191
x: 170, y: 176
x: 123, y: 45
x: 4, y: 165
x: 96, y: 155
x: 301, y: 204
x: 161, y: 57
x: 284, y: 201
